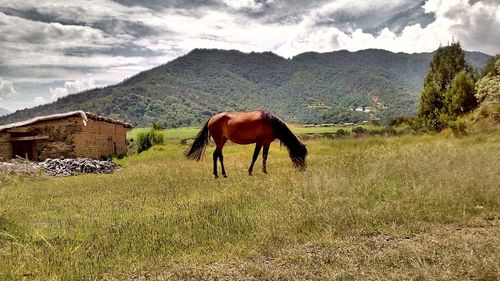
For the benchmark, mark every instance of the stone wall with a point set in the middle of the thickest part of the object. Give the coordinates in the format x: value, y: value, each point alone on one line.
x: 101, y: 139
x: 5, y: 147
x: 61, y: 134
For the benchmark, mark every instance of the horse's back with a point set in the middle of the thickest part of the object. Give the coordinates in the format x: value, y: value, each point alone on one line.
x: 241, y: 127
x: 226, y: 118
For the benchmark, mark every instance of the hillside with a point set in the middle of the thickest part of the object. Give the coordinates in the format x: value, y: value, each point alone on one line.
x: 3, y: 111
x: 309, y: 88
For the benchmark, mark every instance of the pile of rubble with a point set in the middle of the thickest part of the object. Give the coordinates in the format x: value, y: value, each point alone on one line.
x: 19, y: 167
x: 70, y: 167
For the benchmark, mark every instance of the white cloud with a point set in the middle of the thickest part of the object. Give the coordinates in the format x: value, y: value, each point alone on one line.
x: 39, y: 101
x: 6, y: 88
x: 71, y: 87
x: 476, y: 26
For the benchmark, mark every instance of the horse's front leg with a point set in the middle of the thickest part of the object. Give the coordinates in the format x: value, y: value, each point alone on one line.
x: 265, y: 153
x: 256, y: 152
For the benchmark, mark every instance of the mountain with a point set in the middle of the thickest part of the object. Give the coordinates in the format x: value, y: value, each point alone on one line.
x: 310, y: 88
x: 4, y: 111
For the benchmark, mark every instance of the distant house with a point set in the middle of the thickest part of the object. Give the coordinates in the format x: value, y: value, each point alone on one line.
x: 364, y: 109
x: 71, y: 134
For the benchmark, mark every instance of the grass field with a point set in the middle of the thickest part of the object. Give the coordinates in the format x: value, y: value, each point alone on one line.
x: 372, y: 208
x: 186, y: 133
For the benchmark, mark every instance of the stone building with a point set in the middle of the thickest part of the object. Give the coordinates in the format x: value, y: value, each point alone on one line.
x: 72, y: 134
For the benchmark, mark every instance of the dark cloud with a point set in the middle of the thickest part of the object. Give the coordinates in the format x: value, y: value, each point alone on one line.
x: 34, y: 14
x: 472, y: 2
x: 373, y: 21
x: 111, y: 25
x: 412, y: 15
x: 167, y: 4
x: 40, y: 72
x: 281, y: 11
x: 120, y: 26
x: 275, y: 11
x: 125, y: 50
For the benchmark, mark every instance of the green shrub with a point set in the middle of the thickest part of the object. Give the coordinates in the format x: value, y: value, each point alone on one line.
x: 157, y: 127
x: 342, y: 132
x: 359, y: 130
x: 147, y: 139
x: 403, y: 120
x: 458, y: 128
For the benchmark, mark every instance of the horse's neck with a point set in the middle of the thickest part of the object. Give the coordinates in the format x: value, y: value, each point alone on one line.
x: 289, y: 139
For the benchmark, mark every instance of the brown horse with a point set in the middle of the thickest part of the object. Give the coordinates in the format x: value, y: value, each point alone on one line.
x: 259, y: 127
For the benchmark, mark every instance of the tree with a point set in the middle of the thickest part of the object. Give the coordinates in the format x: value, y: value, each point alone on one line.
x: 430, y: 107
x: 460, y: 97
x: 443, y: 96
x: 491, y: 67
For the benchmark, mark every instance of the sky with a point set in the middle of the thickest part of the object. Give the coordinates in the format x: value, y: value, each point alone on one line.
x: 49, y: 49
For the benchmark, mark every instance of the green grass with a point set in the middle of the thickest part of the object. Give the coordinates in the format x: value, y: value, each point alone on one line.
x: 190, y: 132
x: 177, y: 133
x: 374, y: 208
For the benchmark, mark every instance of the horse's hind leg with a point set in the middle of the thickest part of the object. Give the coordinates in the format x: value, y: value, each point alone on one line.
x: 265, y: 153
x: 221, y: 158
x: 215, y: 156
x: 256, y: 152
x: 219, y: 142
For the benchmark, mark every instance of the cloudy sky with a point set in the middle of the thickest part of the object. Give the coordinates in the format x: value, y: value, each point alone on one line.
x: 49, y: 49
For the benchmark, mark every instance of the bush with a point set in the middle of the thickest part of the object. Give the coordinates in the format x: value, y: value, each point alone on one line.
x: 342, y: 132
x: 359, y: 130
x: 403, y: 120
x: 458, y: 128
x: 147, y: 139
x: 157, y: 127
x: 488, y: 113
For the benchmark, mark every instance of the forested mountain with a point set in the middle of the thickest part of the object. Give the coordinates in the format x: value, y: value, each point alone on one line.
x: 3, y: 111
x: 309, y: 88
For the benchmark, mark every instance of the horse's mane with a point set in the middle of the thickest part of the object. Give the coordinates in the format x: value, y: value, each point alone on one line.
x: 284, y: 134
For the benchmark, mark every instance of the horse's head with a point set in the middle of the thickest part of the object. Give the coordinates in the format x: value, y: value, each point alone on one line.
x: 298, y: 156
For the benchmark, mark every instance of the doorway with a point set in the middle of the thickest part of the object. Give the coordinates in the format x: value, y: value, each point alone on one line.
x: 24, y: 149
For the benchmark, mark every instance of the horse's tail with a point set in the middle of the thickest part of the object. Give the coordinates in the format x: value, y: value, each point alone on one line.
x: 195, y: 152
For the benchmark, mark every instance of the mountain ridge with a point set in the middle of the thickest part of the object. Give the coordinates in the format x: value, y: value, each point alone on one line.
x: 310, y: 87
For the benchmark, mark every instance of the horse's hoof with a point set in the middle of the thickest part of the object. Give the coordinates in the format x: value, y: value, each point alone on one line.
x: 224, y: 176
x: 216, y: 177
